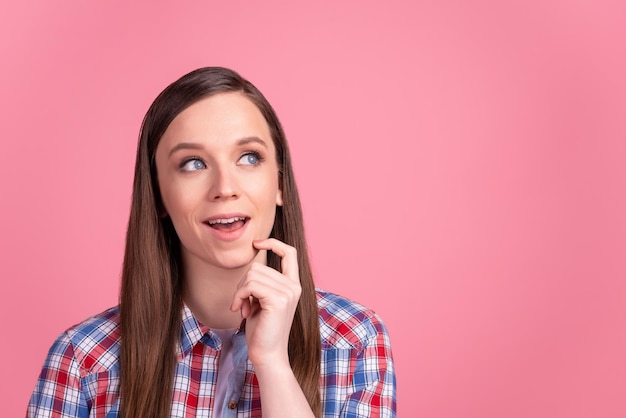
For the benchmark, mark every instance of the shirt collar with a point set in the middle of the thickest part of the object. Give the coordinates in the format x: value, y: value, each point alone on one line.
x: 192, y: 331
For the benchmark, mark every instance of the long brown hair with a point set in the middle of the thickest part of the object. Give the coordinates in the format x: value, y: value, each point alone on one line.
x: 151, y: 292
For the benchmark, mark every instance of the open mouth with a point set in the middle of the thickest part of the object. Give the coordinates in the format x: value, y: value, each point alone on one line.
x: 227, y: 224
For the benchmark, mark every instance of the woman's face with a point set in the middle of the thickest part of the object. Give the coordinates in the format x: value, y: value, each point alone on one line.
x: 218, y: 178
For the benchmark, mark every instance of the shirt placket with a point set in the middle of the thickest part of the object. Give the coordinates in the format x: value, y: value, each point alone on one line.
x: 237, y: 377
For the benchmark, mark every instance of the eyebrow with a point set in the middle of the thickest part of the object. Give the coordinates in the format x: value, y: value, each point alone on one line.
x: 251, y: 139
x: 185, y: 145
x: 197, y: 146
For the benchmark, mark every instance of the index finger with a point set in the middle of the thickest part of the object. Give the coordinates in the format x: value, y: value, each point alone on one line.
x: 287, y: 253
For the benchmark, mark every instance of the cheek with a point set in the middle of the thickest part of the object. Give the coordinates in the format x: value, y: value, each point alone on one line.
x: 268, y: 222
x: 263, y: 196
x: 163, y: 192
x: 175, y: 200
x: 267, y: 192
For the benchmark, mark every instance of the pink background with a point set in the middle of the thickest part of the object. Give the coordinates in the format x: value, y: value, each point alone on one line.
x: 462, y: 167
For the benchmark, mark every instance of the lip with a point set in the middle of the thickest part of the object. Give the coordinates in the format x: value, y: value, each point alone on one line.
x: 227, y: 235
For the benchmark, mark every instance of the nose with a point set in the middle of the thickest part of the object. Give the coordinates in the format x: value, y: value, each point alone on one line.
x: 224, y: 184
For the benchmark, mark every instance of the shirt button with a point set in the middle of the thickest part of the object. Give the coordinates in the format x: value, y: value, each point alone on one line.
x: 232, y: 404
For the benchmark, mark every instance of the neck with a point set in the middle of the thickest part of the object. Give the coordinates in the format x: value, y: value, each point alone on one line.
x: 208, y: 291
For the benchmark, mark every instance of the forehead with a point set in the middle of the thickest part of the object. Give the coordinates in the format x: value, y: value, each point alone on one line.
x: 221, y: 117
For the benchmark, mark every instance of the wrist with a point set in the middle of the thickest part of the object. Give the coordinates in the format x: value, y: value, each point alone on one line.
x: 272, y: 367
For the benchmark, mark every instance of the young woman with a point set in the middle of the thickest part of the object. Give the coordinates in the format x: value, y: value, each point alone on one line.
x: 218, y: 313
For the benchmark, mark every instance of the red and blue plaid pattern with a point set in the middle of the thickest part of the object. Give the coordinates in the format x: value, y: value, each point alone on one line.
x: 80, y: 376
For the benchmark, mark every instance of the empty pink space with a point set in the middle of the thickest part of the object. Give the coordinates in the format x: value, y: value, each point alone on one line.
x: 461, y: 165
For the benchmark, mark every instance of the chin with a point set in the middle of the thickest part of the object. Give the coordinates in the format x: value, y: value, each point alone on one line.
x: 238, y: 259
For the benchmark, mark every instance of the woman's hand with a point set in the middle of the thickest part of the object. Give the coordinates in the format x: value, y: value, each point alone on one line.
x: 267, y: 299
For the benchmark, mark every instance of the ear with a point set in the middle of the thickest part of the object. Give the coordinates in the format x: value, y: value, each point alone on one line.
x: 279, y: 197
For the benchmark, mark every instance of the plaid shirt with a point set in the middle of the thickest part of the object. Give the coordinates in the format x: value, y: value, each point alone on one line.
x: 80, y: 377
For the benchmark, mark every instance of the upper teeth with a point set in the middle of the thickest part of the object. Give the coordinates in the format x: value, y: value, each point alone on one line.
x: 226, y: 221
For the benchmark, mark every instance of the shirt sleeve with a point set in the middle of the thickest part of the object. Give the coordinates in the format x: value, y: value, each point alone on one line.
x: 58, y: 392
x: 373, y: 392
